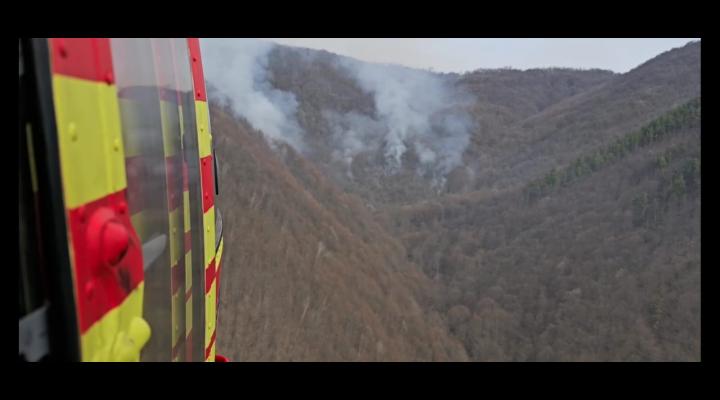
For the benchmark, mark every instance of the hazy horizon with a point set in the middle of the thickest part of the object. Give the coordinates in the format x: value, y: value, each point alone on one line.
x: 463, y: 55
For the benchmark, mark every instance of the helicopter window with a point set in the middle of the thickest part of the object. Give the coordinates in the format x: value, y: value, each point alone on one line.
x: 172, y: 133
x: 151, y: 134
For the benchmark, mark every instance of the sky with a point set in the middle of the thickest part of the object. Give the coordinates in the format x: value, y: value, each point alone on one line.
x: 461, y: 55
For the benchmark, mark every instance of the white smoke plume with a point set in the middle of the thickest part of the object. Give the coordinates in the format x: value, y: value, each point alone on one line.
x: 237, y: 69
x: 415, y: 111
x: 418, y: 109
x: 353, y: 133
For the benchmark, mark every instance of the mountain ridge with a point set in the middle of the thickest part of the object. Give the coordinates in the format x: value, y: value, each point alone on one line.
x: 368, y: 265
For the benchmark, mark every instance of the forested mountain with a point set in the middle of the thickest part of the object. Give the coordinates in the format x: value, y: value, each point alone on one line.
x: 597, y: 261
x: 376, y: 212
x: 308, y: 275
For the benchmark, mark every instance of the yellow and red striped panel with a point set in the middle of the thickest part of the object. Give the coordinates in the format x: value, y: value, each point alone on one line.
x: 207, y: 182
x: 105, y: 250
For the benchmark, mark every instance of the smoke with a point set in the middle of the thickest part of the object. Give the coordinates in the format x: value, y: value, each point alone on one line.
x: 353, y: 133
x: 417, y: 113
x: 418, y: 110
x: 238, y: 71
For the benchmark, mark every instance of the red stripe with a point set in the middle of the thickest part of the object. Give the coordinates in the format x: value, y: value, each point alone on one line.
x: 197, y: 69
x: 100, y: 288
x: 208, y: 182
x: 85, y: 58
x: 209, y: 348
x: 209, y: 276
x: 188, y: 294
x: 177, y: 276
x: 188, y: 241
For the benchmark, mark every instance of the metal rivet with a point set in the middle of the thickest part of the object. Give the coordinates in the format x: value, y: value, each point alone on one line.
x: 62, y: 49
x: 90, y: 289
x: 109, y: 77
x: 72, y: 129
x: 116, y: 144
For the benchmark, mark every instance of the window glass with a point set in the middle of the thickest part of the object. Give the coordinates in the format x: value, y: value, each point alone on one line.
x: 142, y: 125
x: 158, y: 116
x: 172, y: 147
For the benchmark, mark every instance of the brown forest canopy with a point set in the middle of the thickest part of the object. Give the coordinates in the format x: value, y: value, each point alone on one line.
x: 545, y: 215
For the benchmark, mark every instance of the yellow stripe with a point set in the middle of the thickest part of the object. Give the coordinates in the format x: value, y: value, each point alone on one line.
x: 140, y: 221
x: 205, y: 149
x: 170, y: 127
x: 119, y: 334
x: 212, y: 301
x: 178, y: 329
x: 90, y: 140
x: 176, y: 236
x: 203, y: 125
x: 209, y: 235
x: 210, y: 318
x: 135, y: 122
x: 211, y: 356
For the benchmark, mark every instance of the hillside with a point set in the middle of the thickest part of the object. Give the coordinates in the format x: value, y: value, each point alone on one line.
x: 521, y: 122
x: 579, y: 123
x: 386, y: 213
x: 308, y: 274
x: 605, y: 266
x: 323, y: 84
